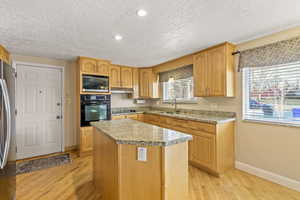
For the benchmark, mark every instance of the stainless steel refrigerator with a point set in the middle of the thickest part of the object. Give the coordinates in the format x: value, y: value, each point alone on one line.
x: 7, y: 132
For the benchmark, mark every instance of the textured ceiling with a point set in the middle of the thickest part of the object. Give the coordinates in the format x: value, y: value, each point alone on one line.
x: 64, y: 29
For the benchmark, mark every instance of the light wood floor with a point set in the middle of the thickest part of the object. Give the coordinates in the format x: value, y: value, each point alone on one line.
x: 74, y: 181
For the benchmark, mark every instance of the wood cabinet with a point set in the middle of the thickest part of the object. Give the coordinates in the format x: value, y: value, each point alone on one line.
x: 4, y: 54
x: 103, y: 67
x: 148, y: 83
x: 94, y: 66
x: 212, y: 147
x: 118, y: 175
x: 135, y: 83
x: 214, y: 72
x: 202, y: 150
x: 86, y: 140
x: 115, y: 76
x: 126, y: 77
x: 121, y: 77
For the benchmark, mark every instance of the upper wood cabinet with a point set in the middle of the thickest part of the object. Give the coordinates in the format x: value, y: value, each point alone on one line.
x: 135, y: 83
x: 115, y: 76
x: 4, y: 54
x: 94, y: 66
x: 121, y: 77
x: 126, y: 77
x: 148, y: 83
x: 214, y: 71
x: 103, y: 67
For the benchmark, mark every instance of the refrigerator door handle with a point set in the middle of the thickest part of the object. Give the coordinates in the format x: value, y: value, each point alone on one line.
x: 8, y: 121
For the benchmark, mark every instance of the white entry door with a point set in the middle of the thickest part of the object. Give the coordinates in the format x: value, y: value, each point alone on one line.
x: 39, y: 110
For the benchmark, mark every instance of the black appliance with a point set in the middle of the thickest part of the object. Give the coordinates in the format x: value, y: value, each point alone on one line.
x: 95, y: 83
x: 7, y: 132
x: 95, y: 108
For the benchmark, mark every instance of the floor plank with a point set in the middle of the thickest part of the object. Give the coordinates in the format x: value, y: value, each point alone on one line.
x: 74, y: 182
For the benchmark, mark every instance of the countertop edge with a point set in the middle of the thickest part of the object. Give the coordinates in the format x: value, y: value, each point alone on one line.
x: 229, y: 119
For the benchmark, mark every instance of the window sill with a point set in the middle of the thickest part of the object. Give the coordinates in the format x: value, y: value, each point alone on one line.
x: 276, y: 123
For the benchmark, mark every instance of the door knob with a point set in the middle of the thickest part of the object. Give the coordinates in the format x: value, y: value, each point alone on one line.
x: 57, y: 117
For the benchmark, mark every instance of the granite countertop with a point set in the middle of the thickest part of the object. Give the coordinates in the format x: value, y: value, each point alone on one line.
x: 206, y: 118
x: 212, y: 119
x: 127, y: 131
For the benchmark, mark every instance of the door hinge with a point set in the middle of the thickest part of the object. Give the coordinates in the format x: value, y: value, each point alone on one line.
x: 16, y: 74
x: 16, y: 149
x: 16, y: 112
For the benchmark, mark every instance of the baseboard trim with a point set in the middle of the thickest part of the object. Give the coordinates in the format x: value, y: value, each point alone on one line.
x: 270, y: 176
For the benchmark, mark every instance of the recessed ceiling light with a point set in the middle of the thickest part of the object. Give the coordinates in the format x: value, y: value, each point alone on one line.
x: 118, y: 37
x: 141, y: 13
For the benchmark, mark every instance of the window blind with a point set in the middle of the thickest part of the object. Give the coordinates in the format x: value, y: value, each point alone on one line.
x: 179, y: 73
x: 273, y: 93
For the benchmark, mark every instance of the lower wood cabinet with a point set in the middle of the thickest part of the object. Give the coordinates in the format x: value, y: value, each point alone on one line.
x: 86, y: 140
x: 212, y: 147
x: 202, y: 150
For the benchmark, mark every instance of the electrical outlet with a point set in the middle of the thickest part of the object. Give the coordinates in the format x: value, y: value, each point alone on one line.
x: 142, y: 154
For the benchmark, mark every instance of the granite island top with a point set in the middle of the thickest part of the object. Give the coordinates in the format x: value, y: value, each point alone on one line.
x: 127, y: 131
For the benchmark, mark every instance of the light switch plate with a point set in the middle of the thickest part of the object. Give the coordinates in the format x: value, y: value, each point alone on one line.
x: 142, y: 154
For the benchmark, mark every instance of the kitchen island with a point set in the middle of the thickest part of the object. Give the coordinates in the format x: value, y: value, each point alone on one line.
x: 134, y: 160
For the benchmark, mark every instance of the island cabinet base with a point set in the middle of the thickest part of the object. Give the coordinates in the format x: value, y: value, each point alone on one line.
x: 118, y: 175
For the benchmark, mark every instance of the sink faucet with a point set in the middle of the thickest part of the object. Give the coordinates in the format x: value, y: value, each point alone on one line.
x: 175, y: 104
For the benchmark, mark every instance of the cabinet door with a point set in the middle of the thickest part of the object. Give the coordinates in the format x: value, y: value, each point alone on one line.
x: 200, y: 75
x: 146, y: 82
x: 103, y: 68
x: 135, y: 83
x: 216, y: 62
x: 115, y: 76
x: 126, y: 77
x: 202, y: 150
x: 88, y: 65
x: 86, y: 141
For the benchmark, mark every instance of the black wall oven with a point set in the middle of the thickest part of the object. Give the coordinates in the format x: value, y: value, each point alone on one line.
x: 95, y: 108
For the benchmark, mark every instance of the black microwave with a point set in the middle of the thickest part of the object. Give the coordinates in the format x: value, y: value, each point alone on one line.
x: 95, y: 83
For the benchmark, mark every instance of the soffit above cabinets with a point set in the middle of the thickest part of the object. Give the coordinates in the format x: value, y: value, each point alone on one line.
x: 65, y: 29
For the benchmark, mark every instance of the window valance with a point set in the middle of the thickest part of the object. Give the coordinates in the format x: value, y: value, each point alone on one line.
x: 179, y: 73
x: 283, y: 52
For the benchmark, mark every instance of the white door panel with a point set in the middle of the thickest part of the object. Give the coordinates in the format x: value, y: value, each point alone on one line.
x: 39, y: 100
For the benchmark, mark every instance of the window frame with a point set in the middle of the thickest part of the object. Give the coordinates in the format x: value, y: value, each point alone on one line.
x: 179, y: 100
x: 245, y: 105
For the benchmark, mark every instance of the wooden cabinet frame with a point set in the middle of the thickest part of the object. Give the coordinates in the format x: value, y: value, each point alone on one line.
x: 214, y: 71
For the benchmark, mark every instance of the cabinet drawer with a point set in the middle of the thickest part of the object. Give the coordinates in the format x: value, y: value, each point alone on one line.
x: 134, y: 116
x: 116, y: 117
x: 198, y: 126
